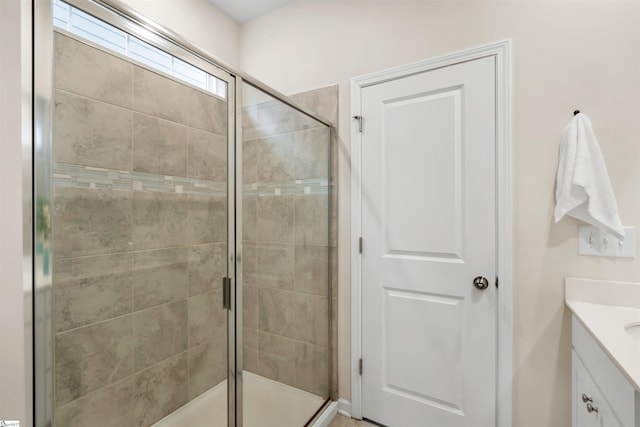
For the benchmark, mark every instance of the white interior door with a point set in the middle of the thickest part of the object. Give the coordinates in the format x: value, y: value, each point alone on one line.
x: 429, y: 228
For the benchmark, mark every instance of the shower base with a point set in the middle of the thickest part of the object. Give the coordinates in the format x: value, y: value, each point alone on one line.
x: 267, y: 403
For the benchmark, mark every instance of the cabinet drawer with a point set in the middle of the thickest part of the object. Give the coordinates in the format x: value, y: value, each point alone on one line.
x: 617, y: 392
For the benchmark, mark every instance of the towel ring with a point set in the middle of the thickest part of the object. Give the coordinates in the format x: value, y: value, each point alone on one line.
x: 575, y: 113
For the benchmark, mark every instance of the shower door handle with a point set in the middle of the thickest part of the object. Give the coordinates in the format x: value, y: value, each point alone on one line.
x: 226, y: 293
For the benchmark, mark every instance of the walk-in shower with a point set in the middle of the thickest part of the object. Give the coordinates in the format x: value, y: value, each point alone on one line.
x: 183, y: 225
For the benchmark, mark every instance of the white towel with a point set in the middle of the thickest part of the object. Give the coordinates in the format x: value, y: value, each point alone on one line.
x: 584, y: 189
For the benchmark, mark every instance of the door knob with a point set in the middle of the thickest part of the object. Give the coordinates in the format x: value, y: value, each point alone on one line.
x: 481, y: 283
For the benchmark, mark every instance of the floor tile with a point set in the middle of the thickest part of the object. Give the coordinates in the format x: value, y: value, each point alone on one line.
x: 342, y: 421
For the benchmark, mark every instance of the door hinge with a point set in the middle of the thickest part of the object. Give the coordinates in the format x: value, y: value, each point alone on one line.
x: 226, y: 293
x: 360, y: 367
x: 496, y: 282
x: 359, y: 119
x: 360, y: 245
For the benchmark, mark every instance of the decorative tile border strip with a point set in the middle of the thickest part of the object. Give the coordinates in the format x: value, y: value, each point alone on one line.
x: 297, y: 187
x: 65, y: 175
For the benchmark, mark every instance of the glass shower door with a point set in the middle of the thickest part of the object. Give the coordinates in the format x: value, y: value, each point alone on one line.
x: 285, y: 197
x: 140, y: 236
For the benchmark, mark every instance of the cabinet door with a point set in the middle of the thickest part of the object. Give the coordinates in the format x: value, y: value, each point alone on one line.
x: 583, y: 384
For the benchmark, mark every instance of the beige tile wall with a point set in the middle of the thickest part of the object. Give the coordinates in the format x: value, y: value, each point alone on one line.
x: 286, y: 244
x: 139, y: 325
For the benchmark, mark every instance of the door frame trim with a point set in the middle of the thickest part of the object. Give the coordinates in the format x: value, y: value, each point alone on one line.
x: 501, y: 51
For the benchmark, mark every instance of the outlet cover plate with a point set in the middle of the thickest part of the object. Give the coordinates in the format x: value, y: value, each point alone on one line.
x: 595, y: 242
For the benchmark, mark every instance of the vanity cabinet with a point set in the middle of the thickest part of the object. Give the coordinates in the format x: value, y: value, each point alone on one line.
x: 601, y: 395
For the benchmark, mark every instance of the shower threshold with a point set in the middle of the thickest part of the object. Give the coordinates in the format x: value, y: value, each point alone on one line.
x: 267, y: 403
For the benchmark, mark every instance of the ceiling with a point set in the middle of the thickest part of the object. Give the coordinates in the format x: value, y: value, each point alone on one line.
x: 242, y: 11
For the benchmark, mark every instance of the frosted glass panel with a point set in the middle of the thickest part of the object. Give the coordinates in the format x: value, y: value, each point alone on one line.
x: 149, y: 55
x: 97, y: 31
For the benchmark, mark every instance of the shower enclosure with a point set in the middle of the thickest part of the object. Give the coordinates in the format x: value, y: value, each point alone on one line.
x: 182, y: 212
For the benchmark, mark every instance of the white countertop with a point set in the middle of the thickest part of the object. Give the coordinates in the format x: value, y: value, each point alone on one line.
x: 604, y: 308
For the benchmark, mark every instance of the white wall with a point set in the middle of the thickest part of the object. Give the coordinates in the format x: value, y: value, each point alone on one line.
x: 198, y: 21
x: 567, y: 55
x: 15, y: 83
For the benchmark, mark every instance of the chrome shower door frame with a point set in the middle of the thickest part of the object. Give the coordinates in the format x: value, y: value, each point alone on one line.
x: 137, y: 25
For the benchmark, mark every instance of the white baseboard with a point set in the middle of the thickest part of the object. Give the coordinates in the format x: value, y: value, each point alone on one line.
x: 325, y: 418
x: 344, y: 407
